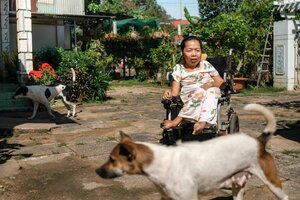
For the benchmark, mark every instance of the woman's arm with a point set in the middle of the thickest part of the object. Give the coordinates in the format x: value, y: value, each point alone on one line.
x: 175, y: 88
x: 218, y: 81
x: 174, y: 91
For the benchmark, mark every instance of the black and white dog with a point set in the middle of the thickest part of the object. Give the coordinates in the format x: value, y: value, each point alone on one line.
x: 44, y: 94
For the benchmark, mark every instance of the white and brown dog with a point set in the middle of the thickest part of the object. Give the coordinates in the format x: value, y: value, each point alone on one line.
x: 184, y: 171
x: 41, y: 94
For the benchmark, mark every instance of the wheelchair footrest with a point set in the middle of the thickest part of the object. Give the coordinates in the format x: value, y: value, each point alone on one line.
x: 184, y: 133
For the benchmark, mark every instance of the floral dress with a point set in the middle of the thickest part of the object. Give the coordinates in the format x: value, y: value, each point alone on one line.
x: 199, y: 104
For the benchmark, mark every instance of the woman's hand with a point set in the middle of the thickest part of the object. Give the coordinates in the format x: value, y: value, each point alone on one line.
x: 218, y: 82
x: 167, y: 94
x: 205, y: 86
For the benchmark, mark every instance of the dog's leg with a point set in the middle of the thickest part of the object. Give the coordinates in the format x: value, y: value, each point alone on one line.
x: 69, y: 105
x: 48, y: 107
x: 238, y: 192
x: 35, y: 108
x: 268, y: 175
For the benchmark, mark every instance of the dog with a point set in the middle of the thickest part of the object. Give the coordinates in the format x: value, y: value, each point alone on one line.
x: 182, y: 172
x: 41, y: 94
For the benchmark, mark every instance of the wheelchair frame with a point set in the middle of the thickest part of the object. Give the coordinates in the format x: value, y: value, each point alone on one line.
x: 184, y: 131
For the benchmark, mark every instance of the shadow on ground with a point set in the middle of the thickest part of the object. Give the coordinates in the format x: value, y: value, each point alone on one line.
x: 222, y: 198
x: 9, y: 120
x: 295, y: 105
x: 288, y: 129
x: 7, y: 149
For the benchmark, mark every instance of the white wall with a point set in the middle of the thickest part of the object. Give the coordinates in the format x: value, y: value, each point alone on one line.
x: 44, y: 36
x: 284, y: 54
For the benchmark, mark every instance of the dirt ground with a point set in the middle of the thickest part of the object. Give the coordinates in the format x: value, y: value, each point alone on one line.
x: 60, y: 163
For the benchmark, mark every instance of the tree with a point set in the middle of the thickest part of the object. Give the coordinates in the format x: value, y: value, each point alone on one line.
x: 139, y: 9
x: 209, y: 9
x: 244, y: 29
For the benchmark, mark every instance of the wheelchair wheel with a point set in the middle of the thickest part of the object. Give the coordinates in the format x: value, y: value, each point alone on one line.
x: 234, y: 125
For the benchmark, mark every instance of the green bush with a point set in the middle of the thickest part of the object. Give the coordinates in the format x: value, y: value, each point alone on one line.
x: 49, y: 55
x: 92, y: 81
x: 142, y: 76
x: 244, y: 29
x: 11, y: 66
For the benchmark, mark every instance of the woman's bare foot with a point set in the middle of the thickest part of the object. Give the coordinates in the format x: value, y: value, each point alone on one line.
x: 171, y: 123
x: 198, y: 127
x: 168, y: 124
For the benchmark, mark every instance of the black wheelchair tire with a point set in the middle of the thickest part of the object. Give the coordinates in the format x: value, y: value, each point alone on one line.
x: 234, y: 124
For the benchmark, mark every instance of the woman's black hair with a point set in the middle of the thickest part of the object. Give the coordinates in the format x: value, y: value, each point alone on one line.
x: 188, y: 38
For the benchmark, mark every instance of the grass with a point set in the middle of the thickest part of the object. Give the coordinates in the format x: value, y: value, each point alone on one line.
x: 134, y: 82
x: 111, y: 138
x: 61, y: 144
x: 261, y: 90
x: 291, y: 152
x: 22, y: 156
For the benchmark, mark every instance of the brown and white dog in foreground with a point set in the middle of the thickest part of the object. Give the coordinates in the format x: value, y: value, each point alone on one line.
x: 184, y: 171
x: 41, y: 94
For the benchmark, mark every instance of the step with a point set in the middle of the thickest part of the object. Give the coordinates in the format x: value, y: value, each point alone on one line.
x: 18, y: 104
x: 8, y: 87
x: 6, y: 95
x: 7, y: 103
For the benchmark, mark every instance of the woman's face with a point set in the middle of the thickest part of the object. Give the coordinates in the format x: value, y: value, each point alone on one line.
x: 192, y: 53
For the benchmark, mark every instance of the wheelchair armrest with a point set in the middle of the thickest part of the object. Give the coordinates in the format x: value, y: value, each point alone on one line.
x: 229, y: 71
x: 174, y: 102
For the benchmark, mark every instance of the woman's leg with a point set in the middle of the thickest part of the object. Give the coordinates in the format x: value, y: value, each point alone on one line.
x: 198, y: 127
x: 171, y: 123
x: 208, y: 112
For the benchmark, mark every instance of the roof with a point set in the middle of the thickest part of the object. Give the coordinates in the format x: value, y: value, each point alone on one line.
x: 66, y: 17
x: 137, y: 23
x: 179, y: 21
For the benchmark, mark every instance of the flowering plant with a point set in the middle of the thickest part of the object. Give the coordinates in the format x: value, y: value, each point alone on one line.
x: 45, y: 75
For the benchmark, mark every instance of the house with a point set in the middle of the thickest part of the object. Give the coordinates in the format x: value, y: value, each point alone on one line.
x: 29, y: 25
x: 52, y: 22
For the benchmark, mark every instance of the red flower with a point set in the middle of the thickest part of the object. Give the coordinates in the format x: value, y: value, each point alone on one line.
x: 45, y: 74
x: 35, y: 74
x: 46, y: 68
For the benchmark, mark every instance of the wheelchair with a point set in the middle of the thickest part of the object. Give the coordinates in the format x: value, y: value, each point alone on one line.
x: 227, y: 118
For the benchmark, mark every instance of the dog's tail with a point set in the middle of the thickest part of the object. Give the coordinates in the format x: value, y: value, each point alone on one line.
x: 73, y: 75
x: 269, y: 116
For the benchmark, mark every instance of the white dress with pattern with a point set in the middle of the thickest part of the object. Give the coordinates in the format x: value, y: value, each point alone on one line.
x: 199, y: 104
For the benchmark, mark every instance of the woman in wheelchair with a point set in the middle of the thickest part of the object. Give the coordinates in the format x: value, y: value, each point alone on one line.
x: 198, y: 84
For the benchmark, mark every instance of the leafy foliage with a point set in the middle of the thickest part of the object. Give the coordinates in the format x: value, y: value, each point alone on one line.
x: 209, y: 9
x: 11, y: 66
x: 138, y: 9
x: 48, y: 55
x: 129, y: 47
x: 244, y: 29
x: 92, y: 81
x: 165, y: 57
x: 45, y: 75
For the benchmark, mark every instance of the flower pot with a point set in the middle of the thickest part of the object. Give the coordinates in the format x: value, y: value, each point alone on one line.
x: 239, y: 83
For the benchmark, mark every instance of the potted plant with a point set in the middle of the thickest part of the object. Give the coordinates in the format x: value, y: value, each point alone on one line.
x: 240, y: 80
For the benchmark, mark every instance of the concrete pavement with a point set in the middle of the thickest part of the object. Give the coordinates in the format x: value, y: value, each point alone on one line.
x: 137, y: 111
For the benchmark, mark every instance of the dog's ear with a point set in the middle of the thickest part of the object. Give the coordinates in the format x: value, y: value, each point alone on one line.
x: 124, y: 137
x: 127, y: 151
